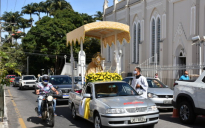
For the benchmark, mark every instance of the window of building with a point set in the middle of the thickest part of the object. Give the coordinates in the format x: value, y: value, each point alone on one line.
x: 158, y: 39
x: 134, y: 43
x: 138, y: 41
x: 153, y: 41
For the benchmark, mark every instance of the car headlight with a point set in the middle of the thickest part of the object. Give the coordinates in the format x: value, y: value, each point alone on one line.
x: 152, y: 108
x: 50, y: 98
x: 151, y: 95
x: 115, y: 111
x: 24, y: 82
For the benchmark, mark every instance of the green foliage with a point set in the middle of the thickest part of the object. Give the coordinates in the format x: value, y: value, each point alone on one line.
x: 5, y: 66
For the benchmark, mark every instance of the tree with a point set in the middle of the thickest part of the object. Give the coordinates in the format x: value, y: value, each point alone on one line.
x: 48, y: 36
x: 39, y: 7
x: 87, y: 18
x: 24, y: 23
x: 29, y: 9
x: 98, y: 16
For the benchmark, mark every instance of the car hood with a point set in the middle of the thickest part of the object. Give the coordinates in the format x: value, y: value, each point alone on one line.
x: 161, y: 91
x: 126, y: 101
x: 29, y: 80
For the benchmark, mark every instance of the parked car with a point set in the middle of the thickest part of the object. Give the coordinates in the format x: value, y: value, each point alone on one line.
x: 11, y: 77
x: 63, y: 84
x: 113, y: 104
x: 189, y: 99
x: 39, y: 79
x: 158, y: 92
x: 27, y: 81
x: 78, y: 81
x: 16, y: 82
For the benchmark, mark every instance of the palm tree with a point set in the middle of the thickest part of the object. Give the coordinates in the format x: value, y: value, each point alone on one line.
x: 39, y: 7
x: 59, y: 5
x: 24, y: 23
x: 47, y: 6
x: 98, y: 16
x: 29, y: 9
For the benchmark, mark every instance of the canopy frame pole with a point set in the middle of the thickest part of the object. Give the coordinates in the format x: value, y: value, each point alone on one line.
x: 116, y: 54
x: 101, y: 42
x: 81, y: 61
x: 72, y: 67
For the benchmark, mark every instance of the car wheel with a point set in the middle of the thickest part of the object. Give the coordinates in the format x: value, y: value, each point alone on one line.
x: 97, y: 122
x: 20, y: 87
x: 73, y: 111
x: 186, y: 113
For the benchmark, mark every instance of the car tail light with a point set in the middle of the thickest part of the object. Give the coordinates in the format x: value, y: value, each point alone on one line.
x: 175, y: 84
x: 78, y: 91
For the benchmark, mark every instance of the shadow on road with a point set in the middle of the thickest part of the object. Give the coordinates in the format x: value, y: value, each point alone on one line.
x: 65, y: 112
x: 199, y: 123
x: 38, y: 121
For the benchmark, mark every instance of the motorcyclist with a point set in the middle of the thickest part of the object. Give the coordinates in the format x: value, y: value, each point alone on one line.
x: 45, y: 87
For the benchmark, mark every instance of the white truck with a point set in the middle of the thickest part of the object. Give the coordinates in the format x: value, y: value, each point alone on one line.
x: 27, y: 81
x: 189, y: 99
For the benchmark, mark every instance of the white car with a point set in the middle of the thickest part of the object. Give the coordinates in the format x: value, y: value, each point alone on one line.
x: 189, y: 99
x: 27, y: 81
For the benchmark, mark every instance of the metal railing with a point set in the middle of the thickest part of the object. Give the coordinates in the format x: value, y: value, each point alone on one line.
x: 1, y: 103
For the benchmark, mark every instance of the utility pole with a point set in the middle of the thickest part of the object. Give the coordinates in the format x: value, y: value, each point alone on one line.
x: 27, y: 65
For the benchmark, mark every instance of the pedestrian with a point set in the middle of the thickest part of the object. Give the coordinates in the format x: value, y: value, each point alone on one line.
x: 156, y: 76
x: 139, y: 82
x: 185, y: 76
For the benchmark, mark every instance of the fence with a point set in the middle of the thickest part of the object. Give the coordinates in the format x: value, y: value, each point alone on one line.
x: 1, y: 102
x: 170, y: 73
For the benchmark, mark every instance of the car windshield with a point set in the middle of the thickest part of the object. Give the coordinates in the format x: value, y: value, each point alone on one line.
x: 11, y: 76
x: 113, y: 89
x: 17, y: 79
x: 60, y: 80
x: 29, y: 78
x: 78, y: 79
x: 153, y: 83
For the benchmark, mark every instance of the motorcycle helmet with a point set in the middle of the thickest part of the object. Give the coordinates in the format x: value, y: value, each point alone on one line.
x: 45, y: 80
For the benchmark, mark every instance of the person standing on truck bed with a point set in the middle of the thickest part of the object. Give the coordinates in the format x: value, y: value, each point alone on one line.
x: 185, y: 76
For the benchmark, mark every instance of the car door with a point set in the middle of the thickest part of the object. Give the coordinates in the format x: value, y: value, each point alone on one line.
x: 201, y: 93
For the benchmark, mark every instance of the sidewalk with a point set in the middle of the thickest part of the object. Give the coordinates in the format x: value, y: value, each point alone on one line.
x: 4, y: 124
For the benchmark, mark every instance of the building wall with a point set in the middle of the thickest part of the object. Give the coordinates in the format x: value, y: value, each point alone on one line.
x: 180, y: 20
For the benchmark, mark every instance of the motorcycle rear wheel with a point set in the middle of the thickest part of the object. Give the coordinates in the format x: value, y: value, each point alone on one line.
x: 51, y: 117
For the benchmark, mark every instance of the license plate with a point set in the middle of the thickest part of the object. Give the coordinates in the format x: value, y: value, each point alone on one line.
x: 137, y: 119
x: 167, y: 102
x: 65, y: 96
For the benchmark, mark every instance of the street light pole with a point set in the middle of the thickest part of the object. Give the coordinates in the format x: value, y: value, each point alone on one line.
x: 27, y: 65
x: 65, y: 58
x: 200, y: 64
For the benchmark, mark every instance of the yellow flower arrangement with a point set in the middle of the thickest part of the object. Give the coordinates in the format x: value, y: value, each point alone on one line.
x: 103, y: 76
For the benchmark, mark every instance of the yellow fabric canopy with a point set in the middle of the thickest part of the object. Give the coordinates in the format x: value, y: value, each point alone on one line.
x: 104, y: 29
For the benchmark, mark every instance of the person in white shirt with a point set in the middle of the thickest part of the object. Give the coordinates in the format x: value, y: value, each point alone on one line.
x: 139, y: 82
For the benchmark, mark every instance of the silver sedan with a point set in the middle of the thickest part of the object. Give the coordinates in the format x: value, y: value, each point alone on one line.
x: 158, y: 92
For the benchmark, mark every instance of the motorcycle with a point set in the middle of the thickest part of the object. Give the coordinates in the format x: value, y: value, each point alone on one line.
x: 47, y: 108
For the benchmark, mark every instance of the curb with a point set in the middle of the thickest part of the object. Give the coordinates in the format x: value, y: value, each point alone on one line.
x: 4, y: 124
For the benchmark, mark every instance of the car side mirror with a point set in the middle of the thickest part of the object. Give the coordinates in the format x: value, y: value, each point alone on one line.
x: 86, y: 95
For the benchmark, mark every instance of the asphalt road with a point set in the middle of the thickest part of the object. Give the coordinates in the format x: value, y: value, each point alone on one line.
x: 21, y: 114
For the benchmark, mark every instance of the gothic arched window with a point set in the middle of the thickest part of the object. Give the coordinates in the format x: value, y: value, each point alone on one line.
x: 153, y: 41
x: 158, y: 39
x: 134, y: 43
x: 138, y: 41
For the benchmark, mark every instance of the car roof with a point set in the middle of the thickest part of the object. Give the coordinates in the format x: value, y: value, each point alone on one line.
x: 28, y: 75
x: 145, y: 77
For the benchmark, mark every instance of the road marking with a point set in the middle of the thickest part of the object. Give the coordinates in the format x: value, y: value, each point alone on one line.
x: 22, y: 123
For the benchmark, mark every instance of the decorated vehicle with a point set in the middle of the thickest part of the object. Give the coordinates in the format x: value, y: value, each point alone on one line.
x: 112, y: 103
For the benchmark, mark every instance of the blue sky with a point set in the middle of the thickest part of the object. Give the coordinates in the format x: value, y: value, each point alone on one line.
x: 82, y: 6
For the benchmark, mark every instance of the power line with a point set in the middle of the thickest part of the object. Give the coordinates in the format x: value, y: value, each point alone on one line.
x: 15, y: 6
x: 24, y: 3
